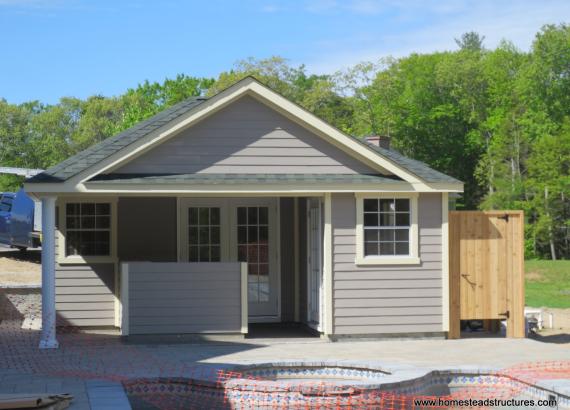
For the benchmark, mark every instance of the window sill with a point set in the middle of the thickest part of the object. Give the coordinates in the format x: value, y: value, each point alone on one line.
x: 78, y: 260
x: 406, y: 260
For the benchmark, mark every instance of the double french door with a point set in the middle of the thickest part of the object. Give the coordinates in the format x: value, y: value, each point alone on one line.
x: 244, y: 230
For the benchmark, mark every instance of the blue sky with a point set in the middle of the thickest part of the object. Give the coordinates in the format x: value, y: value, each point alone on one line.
x: 55, y: 48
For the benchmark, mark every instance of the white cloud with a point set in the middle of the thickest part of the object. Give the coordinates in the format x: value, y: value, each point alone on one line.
x: 514, y: 21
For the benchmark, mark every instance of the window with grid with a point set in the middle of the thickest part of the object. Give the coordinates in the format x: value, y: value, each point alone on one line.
x: 253, y: 248
x: 88, y: 229
x: 386, y: 227
x: 204, y: 234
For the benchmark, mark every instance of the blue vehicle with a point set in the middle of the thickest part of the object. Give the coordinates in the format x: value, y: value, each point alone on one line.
x: 19, y: 220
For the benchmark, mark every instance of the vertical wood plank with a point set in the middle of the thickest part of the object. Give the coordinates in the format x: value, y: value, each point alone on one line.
x: 454, y: 275
x: 487, y: 247
x: 515, y: 323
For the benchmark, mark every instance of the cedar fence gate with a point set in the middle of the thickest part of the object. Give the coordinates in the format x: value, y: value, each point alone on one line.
x: 486, y: 269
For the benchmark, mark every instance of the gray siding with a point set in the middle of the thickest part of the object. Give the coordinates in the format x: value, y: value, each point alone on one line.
x: 386, y: 299
x: 184, y: 298
x: 246, y: 137
x: 286, y: 208
x: 146, y: 229
x: 84, y: 294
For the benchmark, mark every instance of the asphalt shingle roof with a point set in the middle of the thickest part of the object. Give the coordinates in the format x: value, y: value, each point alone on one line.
x: 97, y: 153
x: 418, y: 168
x: 228, y: 179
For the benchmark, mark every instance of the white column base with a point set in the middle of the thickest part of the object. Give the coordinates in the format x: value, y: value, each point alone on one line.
x: 49, y: 344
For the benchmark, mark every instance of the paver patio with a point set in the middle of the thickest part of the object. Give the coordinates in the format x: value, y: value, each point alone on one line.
x: 85, y: 362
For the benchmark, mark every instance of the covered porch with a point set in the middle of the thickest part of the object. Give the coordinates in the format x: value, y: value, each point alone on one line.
x: 187, y: 264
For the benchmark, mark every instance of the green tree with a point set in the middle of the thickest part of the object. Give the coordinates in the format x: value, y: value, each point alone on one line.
x: 470, y: 41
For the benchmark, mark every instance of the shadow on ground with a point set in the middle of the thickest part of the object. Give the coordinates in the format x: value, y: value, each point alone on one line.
x: 29, y: 255
x: 558, y: 338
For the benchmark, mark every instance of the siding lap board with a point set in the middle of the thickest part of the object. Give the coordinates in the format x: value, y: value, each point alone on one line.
x: 246, y: 137
x: 84, y: 294
x: 184, y: 298
x: 386, y: 299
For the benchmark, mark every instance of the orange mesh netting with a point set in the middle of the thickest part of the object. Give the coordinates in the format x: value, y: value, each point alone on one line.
x: 162, y: 377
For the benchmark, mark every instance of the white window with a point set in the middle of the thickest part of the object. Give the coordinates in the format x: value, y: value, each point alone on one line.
x: 387, y: 231
x: 87, y: 230
x: 204, y: 234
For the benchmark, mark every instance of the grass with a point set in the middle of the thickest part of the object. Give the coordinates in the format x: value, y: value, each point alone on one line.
x: 547, y: 283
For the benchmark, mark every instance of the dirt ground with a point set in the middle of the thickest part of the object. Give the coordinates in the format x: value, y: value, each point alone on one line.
x: 20, y: 268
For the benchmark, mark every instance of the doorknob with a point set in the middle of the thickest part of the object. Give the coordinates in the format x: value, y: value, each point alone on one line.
x: 506, y: 314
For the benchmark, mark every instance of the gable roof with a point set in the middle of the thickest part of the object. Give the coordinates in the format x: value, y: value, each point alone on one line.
x: 83, y: 160
x: 96, y: 154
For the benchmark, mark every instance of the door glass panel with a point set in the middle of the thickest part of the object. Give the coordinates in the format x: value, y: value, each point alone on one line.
x: 253, y: 242
x: 204, y: 234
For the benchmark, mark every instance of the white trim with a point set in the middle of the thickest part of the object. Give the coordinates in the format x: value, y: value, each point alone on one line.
x: 247, y: 189
x: 327, y: 267
x: 247, y: 86
x: 274, y: 238
x: 182, y: 226
x: 124, y: 299
x: 117, y: 294
x: 253, y: 88
x: 445, y: 260
x: 413, y: 258
x: 228, y: 226
x: 62, y: 259
x: 244, y: 301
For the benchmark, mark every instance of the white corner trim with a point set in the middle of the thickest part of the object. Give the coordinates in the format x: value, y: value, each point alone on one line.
x: 445, y: 260
x: 413, y: 258
x: 327, y: 267
x: 117, y: 294
x: 124, y: 299
x: 244, y: 301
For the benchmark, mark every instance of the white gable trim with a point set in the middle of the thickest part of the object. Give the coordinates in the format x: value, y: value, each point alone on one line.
x: 247, y: 86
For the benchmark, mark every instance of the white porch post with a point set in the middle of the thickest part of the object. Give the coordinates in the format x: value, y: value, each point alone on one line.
x: 327, y: 267
x: 48, y: 338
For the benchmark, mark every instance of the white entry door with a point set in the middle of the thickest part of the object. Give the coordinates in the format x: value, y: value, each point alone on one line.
x: 254, y: 240
x: 314, y: 262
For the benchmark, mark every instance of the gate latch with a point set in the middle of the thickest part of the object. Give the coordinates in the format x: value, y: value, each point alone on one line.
x: 506, y: 314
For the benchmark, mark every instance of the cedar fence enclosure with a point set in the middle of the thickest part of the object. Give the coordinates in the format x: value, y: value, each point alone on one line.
x: 486, y: 269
